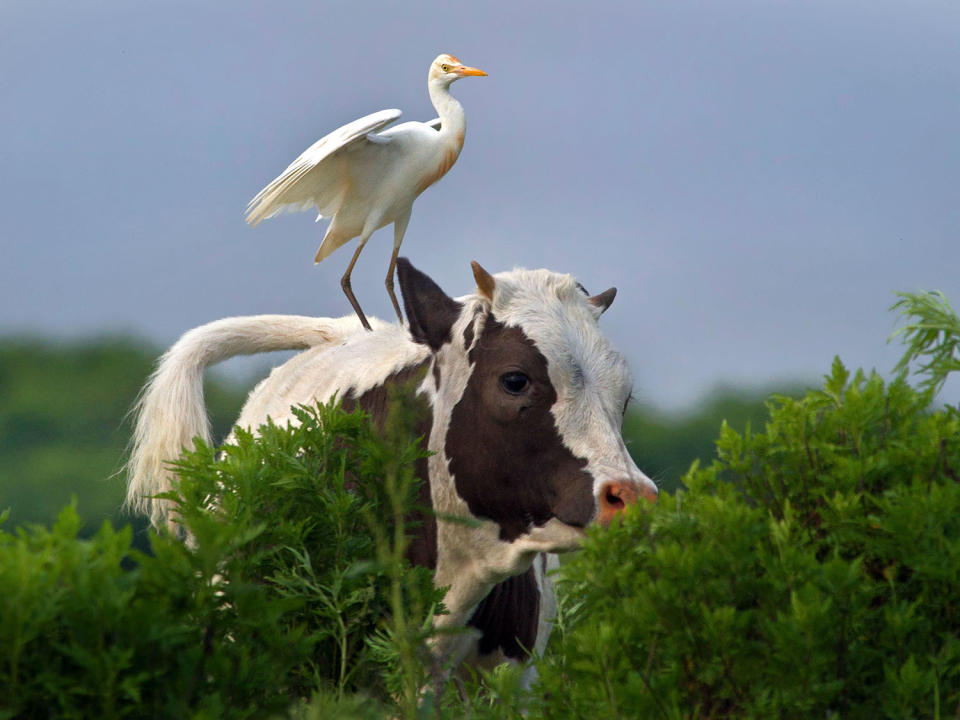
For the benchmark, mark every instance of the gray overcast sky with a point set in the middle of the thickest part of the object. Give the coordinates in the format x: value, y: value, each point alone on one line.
x: 757, y: 178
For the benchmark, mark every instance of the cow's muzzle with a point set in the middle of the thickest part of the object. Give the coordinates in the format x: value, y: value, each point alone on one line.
x: 615, y: 496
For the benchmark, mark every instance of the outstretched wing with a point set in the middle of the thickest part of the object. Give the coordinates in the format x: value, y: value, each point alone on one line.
x: 298, y: 187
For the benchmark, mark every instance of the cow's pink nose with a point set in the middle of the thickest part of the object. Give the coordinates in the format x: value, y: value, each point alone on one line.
x: 615, y: 496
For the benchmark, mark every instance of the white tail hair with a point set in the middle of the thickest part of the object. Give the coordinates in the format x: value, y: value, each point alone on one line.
x: 170, y: 411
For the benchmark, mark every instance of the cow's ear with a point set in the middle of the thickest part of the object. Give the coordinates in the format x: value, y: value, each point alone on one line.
x: 604, y: 299
x: 430, y: 311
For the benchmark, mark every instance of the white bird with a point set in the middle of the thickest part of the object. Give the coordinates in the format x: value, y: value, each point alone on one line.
x: 365, y: 179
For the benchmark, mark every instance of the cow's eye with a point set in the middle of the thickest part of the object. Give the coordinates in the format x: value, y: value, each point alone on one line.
x: 514, y: 382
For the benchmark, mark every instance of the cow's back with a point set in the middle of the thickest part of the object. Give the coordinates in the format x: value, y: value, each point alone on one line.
x: 363, y: 361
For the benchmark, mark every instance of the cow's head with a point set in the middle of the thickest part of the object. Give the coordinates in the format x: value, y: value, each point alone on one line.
x: 528, y: 400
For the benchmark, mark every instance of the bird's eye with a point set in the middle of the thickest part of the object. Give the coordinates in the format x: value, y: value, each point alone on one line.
x: 445, y: 68
x: 514, y: 382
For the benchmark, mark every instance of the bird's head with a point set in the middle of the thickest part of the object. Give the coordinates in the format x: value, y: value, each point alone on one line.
x: 446, y: 68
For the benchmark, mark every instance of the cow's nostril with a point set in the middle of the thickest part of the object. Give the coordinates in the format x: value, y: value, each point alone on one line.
x: 614, y: 501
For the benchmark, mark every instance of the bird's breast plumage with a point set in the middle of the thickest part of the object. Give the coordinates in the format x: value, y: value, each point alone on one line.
x: 449, y: 152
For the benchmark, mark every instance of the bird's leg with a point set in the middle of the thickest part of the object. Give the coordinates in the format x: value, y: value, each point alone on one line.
x: 348, y: 290
x: 399, y: 228
x: 389, y: 283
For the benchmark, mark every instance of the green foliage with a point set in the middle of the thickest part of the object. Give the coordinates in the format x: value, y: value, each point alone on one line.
x: 932, y: 337
x: 294, y: 562
x: 82, y: 637
x: 812, y: 570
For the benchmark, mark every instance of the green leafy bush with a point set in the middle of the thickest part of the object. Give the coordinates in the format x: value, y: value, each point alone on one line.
x: 812, y: 570
x: 286, y: 579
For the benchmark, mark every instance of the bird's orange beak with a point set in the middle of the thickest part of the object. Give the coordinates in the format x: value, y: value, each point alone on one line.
x: 464, y: 70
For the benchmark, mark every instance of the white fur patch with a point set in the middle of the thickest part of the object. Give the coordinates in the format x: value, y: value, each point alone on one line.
x: 361, y: 361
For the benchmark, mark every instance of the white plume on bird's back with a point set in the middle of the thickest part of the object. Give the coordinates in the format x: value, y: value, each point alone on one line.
x: 364, y: 175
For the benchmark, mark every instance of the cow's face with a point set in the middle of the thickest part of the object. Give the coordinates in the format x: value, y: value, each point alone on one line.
x: 507, y: 458
x: 528, y: 405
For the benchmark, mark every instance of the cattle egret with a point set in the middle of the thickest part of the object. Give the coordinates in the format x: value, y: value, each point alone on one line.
x: 365, y: 179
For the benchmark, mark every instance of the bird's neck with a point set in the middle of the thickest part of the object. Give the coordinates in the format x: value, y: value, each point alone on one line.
x: 452, y: 118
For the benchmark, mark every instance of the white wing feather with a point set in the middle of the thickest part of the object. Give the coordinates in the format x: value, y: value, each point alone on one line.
x: 286, y: 192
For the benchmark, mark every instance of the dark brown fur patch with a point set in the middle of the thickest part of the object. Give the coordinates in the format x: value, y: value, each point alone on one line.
x: 431, y: 313
x: 469, y: 330
x: 505, y: 452
x: 508, y: 617
x: 376, y: 402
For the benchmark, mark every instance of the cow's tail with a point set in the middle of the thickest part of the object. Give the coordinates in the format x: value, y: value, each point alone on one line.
x: 170, y: 411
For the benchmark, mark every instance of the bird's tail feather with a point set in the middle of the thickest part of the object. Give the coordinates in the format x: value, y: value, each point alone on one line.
x: 333, y: 240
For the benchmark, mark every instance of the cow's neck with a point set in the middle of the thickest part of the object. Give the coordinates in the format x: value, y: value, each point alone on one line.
x: 376, y: 402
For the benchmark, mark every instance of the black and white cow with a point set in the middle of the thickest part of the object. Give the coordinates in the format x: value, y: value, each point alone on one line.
x: 526, y: 400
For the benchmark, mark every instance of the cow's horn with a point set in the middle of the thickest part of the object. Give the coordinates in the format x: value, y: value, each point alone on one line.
x: 604, y: 299
x: 485, y: 281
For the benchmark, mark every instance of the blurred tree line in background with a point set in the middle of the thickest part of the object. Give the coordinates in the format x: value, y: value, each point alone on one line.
x: 64, y: 426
